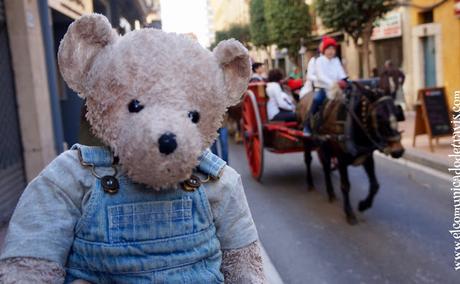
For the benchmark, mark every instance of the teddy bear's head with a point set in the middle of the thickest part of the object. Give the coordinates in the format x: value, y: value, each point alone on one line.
x: 157, y: 99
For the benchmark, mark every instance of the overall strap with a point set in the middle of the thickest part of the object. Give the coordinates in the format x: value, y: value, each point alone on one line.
x: 211, y: 164
x: 94, y: 155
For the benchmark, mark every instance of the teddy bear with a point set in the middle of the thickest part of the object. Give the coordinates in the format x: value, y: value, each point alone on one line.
x: 154, y: 205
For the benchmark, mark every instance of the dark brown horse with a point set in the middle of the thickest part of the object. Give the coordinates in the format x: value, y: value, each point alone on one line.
x: 349, y: 129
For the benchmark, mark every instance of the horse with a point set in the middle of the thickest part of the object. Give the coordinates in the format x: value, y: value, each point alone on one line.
x: 352, y: 125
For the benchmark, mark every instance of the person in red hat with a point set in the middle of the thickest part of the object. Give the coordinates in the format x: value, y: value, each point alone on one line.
x: 328, y: 71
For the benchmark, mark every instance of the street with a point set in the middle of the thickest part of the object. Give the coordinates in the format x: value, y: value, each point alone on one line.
x: 404, y: 238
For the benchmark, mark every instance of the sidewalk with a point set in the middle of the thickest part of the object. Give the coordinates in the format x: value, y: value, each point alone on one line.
x: 421, y: 154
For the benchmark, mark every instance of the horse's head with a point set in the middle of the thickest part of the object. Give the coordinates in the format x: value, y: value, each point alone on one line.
x: 382, y: 113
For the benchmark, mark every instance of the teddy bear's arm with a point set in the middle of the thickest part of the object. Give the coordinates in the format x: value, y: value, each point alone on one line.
x: 243, y: 265
x: 237, y: 233
x: 41, y: 230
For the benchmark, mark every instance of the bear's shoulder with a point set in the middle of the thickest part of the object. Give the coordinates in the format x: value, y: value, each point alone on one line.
x: 66, y: 169
x: 228, y: 184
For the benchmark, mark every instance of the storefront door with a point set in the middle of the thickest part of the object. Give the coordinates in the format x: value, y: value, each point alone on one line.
x: 429, y: 61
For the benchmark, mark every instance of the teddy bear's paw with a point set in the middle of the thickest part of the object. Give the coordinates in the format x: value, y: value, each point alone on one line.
x: 30, y: 270
x: 243, y: 265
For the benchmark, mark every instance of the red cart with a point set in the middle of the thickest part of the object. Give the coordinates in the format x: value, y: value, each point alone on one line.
x: 260, y: 133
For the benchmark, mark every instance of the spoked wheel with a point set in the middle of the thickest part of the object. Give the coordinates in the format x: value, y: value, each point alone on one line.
x: 252, y: 135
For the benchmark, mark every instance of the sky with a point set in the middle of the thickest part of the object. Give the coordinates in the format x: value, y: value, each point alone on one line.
x: 186, y: 16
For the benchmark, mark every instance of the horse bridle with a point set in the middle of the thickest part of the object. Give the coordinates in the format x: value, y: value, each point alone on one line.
x: 372, y: 111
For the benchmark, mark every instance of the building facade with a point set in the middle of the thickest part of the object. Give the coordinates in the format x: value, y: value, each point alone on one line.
x: 433, y: 47
x: 422, y: 38
x: 228, y: 12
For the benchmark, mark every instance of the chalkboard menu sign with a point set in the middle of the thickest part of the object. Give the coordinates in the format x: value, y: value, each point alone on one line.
x: 434, y: 101
x: 432, y: 115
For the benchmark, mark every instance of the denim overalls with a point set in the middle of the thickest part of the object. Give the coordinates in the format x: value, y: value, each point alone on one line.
x: 139, y: 235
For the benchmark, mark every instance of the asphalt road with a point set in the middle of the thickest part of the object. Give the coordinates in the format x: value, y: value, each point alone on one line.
x: 404, y: 238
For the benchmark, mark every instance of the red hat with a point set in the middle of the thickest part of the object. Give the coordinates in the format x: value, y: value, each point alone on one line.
x: 295, y: 84
x: 328, y: 41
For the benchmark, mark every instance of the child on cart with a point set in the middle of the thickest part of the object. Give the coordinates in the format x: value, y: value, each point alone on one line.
x: 280, y: 106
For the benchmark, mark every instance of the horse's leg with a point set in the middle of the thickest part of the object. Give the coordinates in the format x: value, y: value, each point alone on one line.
x: 369, y: 167
x: 308, y: 159
x: 345, y: 186
x: 325, y: 158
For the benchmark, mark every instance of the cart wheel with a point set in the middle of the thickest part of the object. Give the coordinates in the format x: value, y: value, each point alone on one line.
x: 252, y: 135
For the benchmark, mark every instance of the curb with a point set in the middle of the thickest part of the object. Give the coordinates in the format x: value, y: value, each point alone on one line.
x: 271, y: 274
x: 426, y: 160
x: 426, y: 167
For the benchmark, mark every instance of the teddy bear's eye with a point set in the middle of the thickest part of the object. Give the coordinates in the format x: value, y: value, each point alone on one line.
x: 135, y: 106
x: 194, y: 116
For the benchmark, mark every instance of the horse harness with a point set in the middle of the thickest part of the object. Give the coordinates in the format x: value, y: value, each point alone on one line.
x: 370, y: 109
x: 367, y: 109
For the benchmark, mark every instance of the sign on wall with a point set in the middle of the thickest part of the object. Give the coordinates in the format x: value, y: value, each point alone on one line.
x: 388, y: 27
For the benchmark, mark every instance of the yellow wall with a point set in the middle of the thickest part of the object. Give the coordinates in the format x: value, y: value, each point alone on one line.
x: 450, y: 42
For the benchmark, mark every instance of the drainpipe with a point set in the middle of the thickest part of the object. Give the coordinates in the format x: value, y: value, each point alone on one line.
x: 48, y: 40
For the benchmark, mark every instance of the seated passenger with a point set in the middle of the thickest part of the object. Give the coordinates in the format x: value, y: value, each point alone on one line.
x: 258, y: 71
x: 280, y: 106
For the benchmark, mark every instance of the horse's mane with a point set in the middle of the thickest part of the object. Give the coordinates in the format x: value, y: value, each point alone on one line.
x: 365, y: 91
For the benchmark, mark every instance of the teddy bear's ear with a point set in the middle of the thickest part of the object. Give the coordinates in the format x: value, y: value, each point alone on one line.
x: 84, y: 39
x: 233, y: 58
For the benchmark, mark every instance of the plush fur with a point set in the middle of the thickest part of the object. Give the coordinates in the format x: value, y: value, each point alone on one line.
x: 30, y: 270
x: 171, y: 76
x: 243, y: 265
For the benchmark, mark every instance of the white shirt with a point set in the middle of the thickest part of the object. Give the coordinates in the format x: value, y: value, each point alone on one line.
x: 256, y: 77
x: 328, y: 71
x: 277, y: 99
x: 311, y: 78
x: 311, y: 70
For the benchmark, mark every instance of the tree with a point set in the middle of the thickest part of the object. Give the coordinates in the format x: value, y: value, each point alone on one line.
x: 236, y: 31
x: 258, y: 26
x: 356, y: 18
x: 288, y: 21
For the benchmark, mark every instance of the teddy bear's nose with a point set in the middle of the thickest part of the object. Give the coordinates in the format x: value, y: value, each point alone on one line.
x: 167, y: 143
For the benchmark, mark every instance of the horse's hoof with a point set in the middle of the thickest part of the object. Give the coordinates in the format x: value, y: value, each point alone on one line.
x: 332, y: 198
x: 352, y: 220
x: 363, y: 205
